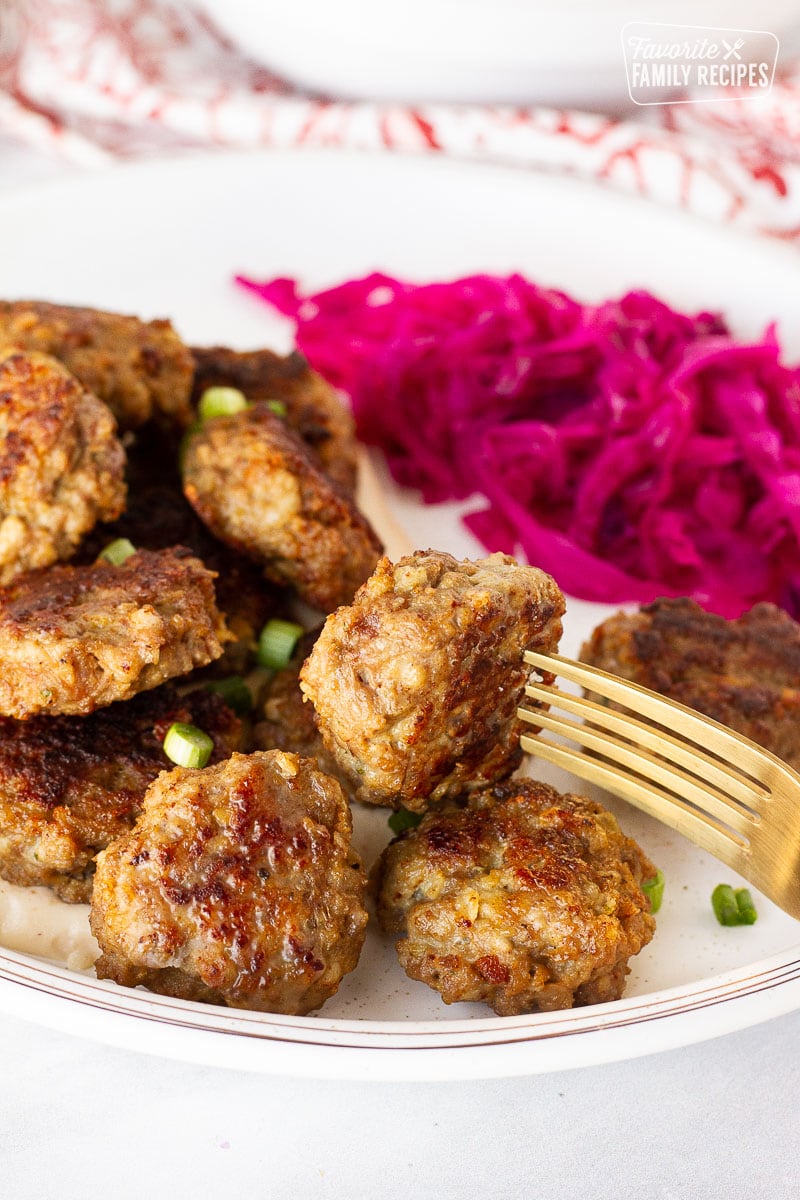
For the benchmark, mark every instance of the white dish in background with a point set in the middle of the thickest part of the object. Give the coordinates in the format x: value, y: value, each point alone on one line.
x: 556, y: 52
x: 165, y: 239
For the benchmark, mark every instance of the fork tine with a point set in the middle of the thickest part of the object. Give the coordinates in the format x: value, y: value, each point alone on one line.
x: 684, y: 785
x: 668, y: 809
x: 708, y: 734
x: 746, y: 814
x: 749, y: 792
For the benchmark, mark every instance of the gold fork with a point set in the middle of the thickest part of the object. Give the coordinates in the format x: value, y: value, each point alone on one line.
x: 717, y: 788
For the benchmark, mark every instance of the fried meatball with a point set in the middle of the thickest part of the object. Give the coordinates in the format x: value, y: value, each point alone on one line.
x: 237, y: 886
x: 70, y: 785
x: 743, y: 673
x: 525, y: 899
x: 416, y: 684
x: 253, y: 482
x: 139, y: 368
x: 289, y: 723
x: 73, y: 639
x: 61, y: 463
x: 313, y: 410
x: 159, y: 516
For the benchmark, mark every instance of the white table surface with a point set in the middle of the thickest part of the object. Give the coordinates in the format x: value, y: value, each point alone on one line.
x: 719, y: 1120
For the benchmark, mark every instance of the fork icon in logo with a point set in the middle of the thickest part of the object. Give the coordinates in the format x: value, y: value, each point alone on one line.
x: 733, y: 49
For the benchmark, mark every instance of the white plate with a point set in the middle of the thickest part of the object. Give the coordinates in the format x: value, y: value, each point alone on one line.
x: 165, y: 239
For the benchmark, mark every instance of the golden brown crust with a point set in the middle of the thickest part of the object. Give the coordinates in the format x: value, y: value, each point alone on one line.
x: 416, y: 684
x: 236, y: 886
x: 139, y: 368
x: 313, y: 410
x: 524, y: 899
x: 73, y: 639
x: 61, y: 463
x: 253, y: 482
x: 70, y: 785
x: 158, y: 516
x: 743, y: 673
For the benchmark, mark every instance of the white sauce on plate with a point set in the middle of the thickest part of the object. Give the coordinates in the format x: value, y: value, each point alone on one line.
x: 34, y: 921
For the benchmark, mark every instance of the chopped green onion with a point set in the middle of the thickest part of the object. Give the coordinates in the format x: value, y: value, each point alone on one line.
x: 277, y: 642
x: 234, y: 691
x: 187, y: 745
x: 747, y: 910
x: 278, y: 407
x: 403, y: 819
x: 221, y: 402
x: 654, y: 890
x: 733, y: 907
x: 117, y: 552
x: 723, y: 901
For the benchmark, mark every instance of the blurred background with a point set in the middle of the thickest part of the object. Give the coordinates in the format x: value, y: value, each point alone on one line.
x: 538, y: 83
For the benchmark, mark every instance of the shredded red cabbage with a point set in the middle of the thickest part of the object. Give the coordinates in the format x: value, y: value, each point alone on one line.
x: 630, y: 450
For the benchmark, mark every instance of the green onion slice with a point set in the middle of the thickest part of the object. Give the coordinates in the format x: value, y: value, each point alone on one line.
x: 723, y: 901
x: 187, y: 745
x: 221, y: 402
x: 654, y: 890
x: 234, y: 691
x: 277, y: 642
x: 747, y: 910
x: 733, y: 907
x: 278, y: 407
x: 117, y: 552
x: 403, y: 819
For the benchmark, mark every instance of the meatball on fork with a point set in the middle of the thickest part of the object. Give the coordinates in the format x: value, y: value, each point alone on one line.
x: 416, y: 684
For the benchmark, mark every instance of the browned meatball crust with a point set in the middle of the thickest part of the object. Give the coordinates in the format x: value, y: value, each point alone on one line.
x: 743, y: 673
x: 525, y: 899
x: 416, y: 684
x: 139, y: 368
x: 70, y: 785
x: 73, y: 639
x: 237, y: 886
x: 313, y: 410
x: 288, y: 722
x: 159, y: 516
x: 254, y: 483
x: 61, y: 463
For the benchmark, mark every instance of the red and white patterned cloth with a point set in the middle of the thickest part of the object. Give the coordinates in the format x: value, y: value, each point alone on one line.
x: 99, y: 80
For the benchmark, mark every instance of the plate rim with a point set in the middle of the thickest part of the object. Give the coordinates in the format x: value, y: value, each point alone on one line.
x: 762, y: 974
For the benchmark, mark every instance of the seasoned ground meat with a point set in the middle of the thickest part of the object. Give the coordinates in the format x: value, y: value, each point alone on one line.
x: 254, y: 483
x: 525, y: 899
x: 73, y: 639
x: 289, y: 723
x: 416, y: 684
x: 61, y: 463
x: 139, y: 368
x: 70, y: 785
x: 159, y: 516
x: 313, y: 410
x: 237, y: 886
x: 744, y: 673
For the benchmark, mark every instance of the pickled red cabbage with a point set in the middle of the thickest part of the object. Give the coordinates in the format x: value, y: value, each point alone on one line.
x: 630, y: 450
